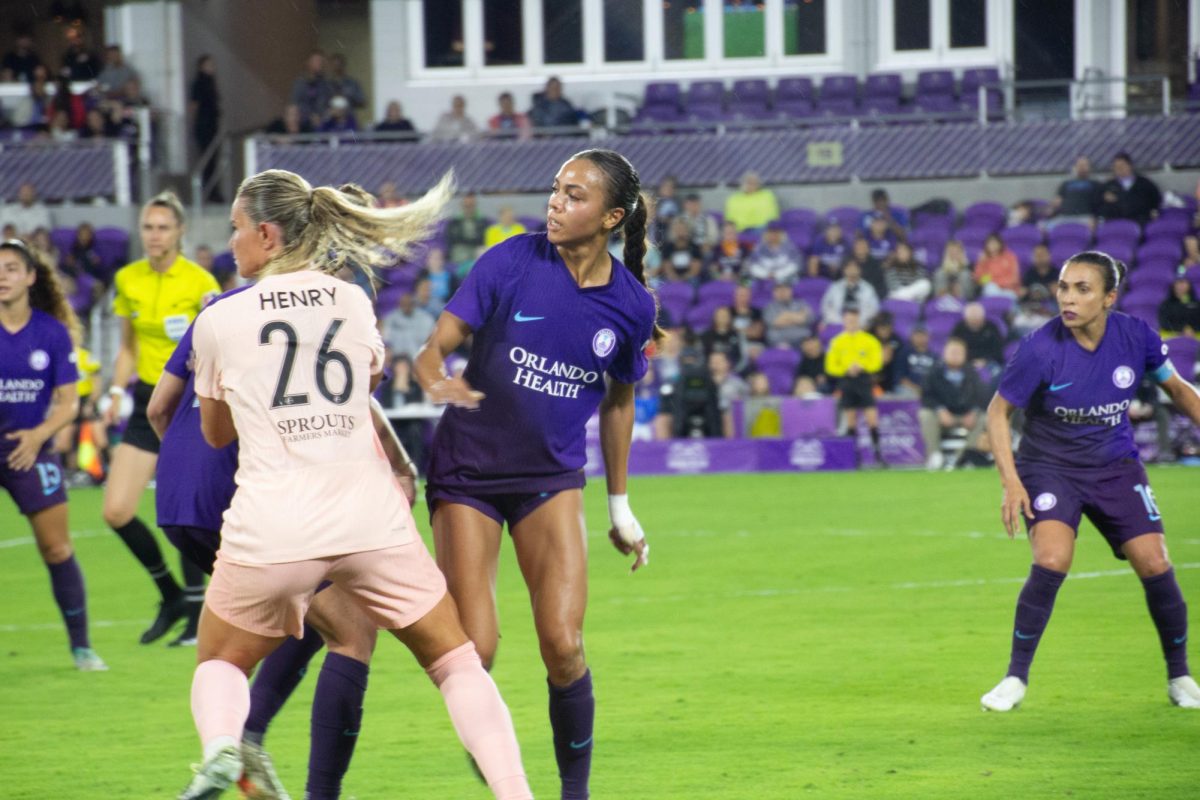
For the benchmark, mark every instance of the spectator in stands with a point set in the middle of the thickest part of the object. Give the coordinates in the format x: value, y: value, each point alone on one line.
x: 870, y: 269
x: 728, y: 256
x: 41, y: 243
x: 753, y: 205
x: 953, y: 278
x: 66, y: 100
x: 61, y: 129
x: 827, y: 254
x: 881, y: 239
x: 691, y: 399
x: 997, y: 271
x: 953, y: 397
x: 789, y: 320
x: 700, y: 222
x: 744, y: 314
x: 666, y: 208
x: 342, y: 85
x: 849, y: 292
x: 882, y: 208
x: 551, y: 109
x: 722, y: 337
x: 20, y: 62
x: 505, y: 226
x: 730, y: 388
x: 441, y: 282
x: 389, y: 196
x: 454, y: 125
x: 509, y: 122
x: 883, y: 328
x: 1191, y: 251
x: 394, y: 120
x: 1129, y: 195
x: 775, y: 258
x: 985, y: 343
x: 682, y: 259
x: 812, y: 365
x: 82, y: 257
x: 907, y: 278
x: 204, y: 107
x: 1179, y: 314
x: 760, y: 409
x: 292, y: 123
x: 98, y: 125
x: 406, y: 327
x: 424, y: 299
x: 116, y: 73
x: 311, y: 91
x: 28, y: 214
x: 916, y: 362
x: 853, y: 359
x: 1040, y: 273
x: 1033, y: 311
x: 39, y: 109
x: 340, y: 118
x: 464, y: 234
x: 78, y: 63
x: 1078, y: 196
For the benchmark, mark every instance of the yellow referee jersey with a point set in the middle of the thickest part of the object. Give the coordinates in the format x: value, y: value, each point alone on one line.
x: 161, y: 305
x: 859, y: 348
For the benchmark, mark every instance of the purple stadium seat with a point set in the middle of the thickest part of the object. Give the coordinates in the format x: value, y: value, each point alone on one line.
x: 750, y: 237
x: 928, y: 245
x: 779, y: 365
x: 935, y: 91
x: 1124, y: 230
x: 389, y: 297
x: 902, y: 310
x: 811, y: 290
x: 706, y: 100
x: 849, y: 217
x: 800, y: 216
x: 63, y: 239
x: 761, y: 293
x: 112, y: 246
x: 985, y: 214
x: 1184, y: 213
x: 881, y: 93
x: 1159, y: 280
x: 1028, y: 234
x: 1024, y: 252
x: 1076, y: 234
x: 699, y: 316
x: 716, y: 293
x: 972, y: 79
x: 974, y: 234
x: 1118, y: 249
x: 996, y: 308
x: 1172, y: 226
x: 660, y: 103
x: 941, y: 224
x: 828, y: 332
x: 1143, y: 304
x: 1183, y: 352
x: 750, y: 99
x: 1061, y: 251
x: 1160, y: 248
x: 794, y: 97
x: 839, y: 96
x: 675, y: 298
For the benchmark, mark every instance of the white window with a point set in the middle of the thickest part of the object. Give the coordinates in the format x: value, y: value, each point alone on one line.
x: 930, y: 33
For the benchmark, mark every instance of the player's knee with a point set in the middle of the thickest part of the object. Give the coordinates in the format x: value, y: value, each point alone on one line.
x: 116, y: 517
x: 55, y: 553
x: 487, y: 653
x: 358, y: 644
x: 562, y: 653
x: 1059, y: 562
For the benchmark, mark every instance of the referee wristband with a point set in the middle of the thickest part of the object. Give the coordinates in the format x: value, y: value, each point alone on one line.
x: 116, y: 390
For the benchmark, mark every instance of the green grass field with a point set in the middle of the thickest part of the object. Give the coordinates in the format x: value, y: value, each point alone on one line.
x: 794, y: 636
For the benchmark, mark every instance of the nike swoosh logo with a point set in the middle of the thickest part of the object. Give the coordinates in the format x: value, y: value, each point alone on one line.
x: 1054, y: 387
x: 1155, y: 517
x: 1180, y: 639
x: 1020, y: 635
x: 348, y: 732
x: 519, y: 317
x: 581, y: 745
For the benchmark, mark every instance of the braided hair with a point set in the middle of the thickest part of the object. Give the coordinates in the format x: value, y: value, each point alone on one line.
x: 625, y: 192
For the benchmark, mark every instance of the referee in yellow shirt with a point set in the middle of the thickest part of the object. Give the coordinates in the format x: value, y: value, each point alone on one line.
x: 853, y: 359
x: 156, y: 299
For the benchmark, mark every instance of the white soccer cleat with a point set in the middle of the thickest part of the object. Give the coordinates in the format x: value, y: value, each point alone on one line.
x: 1184, y: 692
x: 259, y: 781
x: 1007, y: 695
x: 214, y: 776
x: 88, y: 660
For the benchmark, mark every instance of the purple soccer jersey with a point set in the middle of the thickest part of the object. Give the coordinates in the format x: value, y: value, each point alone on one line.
x: 541, y: 348
x: 829, y: 255
x: 34, y: 361
x: 195, y: 482
x: 1077, y: 402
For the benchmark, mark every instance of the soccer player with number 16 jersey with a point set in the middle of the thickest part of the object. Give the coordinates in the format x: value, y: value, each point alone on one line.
x: 1075, y: 377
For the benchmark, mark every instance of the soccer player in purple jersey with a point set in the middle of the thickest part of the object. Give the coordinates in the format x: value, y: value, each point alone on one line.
x: 551, y: 315
x: 195, y: 486
x: 37, y: 398
x: 1075, y: 377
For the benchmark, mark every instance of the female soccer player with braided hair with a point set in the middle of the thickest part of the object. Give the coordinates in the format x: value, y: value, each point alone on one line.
x: 1075, y: 377
x: 287, y: 369
x: 37, y: 398
x: 551, y: 315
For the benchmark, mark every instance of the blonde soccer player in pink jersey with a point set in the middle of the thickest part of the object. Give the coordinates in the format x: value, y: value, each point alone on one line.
x: 287, y: 369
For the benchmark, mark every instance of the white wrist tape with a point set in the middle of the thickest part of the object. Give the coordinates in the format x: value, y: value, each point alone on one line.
x: 623, y: 520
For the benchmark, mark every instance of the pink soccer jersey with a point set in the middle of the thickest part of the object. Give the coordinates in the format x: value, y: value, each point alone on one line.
x: 293, y: 357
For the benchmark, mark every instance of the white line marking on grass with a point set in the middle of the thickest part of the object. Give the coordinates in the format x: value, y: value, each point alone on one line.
x: 57, y: 626
x: 86, y: 534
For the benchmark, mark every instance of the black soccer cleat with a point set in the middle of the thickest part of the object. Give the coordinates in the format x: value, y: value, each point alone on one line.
x: 169, y: 612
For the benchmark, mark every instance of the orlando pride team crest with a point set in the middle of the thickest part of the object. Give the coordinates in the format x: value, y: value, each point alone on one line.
x: 603, y: 342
